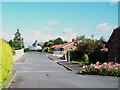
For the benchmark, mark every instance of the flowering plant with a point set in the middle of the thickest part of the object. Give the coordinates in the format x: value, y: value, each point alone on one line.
x: 106, y: 69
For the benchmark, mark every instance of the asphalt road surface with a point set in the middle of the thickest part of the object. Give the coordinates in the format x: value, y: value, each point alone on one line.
x: 36, y: 70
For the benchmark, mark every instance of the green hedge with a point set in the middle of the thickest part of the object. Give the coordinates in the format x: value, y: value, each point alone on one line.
x: 26, y: 49
x: 98, y: 56
x: 6, y: 62
x: 76, y: 55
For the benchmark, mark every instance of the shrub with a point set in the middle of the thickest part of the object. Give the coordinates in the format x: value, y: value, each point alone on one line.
x: 13, y: 51
x: 79, y: 56
x: 76, y: 55
x: 48, y: 50
x: 89, y: 70
x: 105, y: 69
x: 6, y: 62
x: 85, y: 59
x: 114, y: 72
x: 26, y: 50
x: 98, y: 56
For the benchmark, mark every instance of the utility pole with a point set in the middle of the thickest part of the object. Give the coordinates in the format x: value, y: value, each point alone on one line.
x: 68, y: 49
x: 68, y: 59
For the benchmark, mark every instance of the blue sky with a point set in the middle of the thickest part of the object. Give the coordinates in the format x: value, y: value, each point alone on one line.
x: 47, y: 20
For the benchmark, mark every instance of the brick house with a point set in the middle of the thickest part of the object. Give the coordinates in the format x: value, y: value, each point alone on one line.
x: 63, y: 48
x: 114, y: 46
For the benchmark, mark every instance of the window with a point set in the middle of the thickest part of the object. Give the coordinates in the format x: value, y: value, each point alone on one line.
x: 61, y: 49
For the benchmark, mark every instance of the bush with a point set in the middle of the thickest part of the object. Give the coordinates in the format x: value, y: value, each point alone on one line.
x: 13, y: 51
x: 75, y: 55
x: 98, y: 56
x: 6, y: 62
x: 105, y: 69
x: 89, y: 70
x: 48, y: 50
x: 26, y: 50
x: 85, y: 59
x: 79, y: 56
x: 109, y: 72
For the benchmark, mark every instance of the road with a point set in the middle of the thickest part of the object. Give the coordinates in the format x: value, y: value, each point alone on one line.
x: 36, y: 70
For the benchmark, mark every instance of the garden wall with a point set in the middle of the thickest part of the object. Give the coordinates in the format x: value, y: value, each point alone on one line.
x: 19, y: 54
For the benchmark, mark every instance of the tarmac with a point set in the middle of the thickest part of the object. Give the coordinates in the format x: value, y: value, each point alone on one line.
x: 68, y: 65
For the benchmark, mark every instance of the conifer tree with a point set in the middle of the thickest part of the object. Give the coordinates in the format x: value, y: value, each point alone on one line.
x: 18, y: 40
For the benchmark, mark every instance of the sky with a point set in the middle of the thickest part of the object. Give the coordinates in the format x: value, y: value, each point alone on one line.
x: 43, y: 21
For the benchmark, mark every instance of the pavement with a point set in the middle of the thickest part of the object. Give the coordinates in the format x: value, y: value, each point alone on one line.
x: 36, y: 70
x: 69, y: 66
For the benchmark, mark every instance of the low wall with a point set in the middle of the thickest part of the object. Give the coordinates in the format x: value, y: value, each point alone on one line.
x: 59, y: 52
x: 19, y: 53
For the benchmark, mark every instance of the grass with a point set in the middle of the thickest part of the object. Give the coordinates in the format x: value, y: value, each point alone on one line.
x: 80, y: 63
x: 75, y: 62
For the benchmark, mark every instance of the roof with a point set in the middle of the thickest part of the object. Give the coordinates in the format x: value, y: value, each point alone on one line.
x: 117, y: 30
x: 61, y: 45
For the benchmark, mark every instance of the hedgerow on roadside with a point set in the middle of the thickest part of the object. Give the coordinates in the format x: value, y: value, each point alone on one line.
x: 6, y: 62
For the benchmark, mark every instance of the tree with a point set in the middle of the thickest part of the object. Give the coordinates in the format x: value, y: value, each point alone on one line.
x: 88, y: 45
x: 18, y: 41
x: 58, y: 41
x: 48, y: 44
x: 54, y: 42
x: 11, y: 43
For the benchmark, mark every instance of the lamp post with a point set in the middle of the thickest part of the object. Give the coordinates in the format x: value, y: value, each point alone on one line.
x: 68, y: 60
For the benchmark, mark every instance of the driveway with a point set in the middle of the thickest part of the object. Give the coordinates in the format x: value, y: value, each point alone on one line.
x: 36, y: 70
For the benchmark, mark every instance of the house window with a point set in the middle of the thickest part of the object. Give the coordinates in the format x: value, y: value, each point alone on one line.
x: 55, y: 49
x: 61, y: 49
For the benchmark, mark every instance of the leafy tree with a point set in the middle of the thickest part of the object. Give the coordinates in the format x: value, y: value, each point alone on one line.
x: 48, y: 44
x: 18, y: 41
x: 11, y: 43
x: 64, y: 42
x: 50, y: 40
x: 58, y: 41
x: 88, y: 45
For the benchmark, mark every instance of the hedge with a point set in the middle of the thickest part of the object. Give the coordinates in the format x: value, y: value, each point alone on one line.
x: 6, y: 62
x: 75, y: 55
x: 98, y: 56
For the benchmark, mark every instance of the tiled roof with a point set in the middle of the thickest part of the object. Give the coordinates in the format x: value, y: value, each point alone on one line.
x: 61, y: 45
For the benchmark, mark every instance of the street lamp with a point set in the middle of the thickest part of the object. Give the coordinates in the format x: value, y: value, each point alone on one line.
x: 68, y: 60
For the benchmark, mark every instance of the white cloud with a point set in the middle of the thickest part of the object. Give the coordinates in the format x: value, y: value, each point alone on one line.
x: 29, y: 36
x: 114, y: 2
x: 52, y: 23
x: 47, y: 29
x: 68, y: 30
x: 104, y: 27
x: 6, y: 36
x: 32, y: 35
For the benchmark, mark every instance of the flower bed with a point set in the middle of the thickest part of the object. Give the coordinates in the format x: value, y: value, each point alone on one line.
x: 105, y: 69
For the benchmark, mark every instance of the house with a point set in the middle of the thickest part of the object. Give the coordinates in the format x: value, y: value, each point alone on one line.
x: 63, y: 48
x: 114, y: 45
x: 35, y: 46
